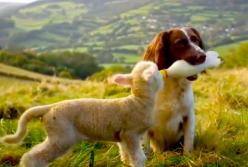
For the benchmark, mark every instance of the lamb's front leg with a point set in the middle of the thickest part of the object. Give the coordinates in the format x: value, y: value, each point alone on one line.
x: 189, y: 128
x: 123, y: 152
x: 132, y: 145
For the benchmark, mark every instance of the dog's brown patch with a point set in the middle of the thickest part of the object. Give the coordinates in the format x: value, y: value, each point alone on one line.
x: 151, y: 133
x: 180, y: 127
x: 185, y: 118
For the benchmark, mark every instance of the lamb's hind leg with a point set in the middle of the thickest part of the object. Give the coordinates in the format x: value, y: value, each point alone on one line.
x: 43, y: 153
x: 61, y: 135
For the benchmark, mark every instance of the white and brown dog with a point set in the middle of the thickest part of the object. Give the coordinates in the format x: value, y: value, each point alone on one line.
x: 175, y: 118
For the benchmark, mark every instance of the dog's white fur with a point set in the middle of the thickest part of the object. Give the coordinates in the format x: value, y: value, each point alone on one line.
x: 174, y: 108
x: 122, y: 120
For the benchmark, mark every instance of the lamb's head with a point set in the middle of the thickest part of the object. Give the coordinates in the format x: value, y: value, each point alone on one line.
x: 144, y: 80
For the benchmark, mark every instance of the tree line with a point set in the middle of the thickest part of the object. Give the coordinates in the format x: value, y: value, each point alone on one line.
x: 64, y: 64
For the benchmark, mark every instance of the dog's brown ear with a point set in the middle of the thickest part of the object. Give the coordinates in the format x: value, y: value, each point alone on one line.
x: 158, y: 50
x: 201, y: 44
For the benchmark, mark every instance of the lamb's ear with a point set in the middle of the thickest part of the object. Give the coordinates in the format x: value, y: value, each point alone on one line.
x: 149, y: 73
x: 122, y: 79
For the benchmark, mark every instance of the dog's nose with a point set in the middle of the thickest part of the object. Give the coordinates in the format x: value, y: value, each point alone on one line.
x: 199, y: 58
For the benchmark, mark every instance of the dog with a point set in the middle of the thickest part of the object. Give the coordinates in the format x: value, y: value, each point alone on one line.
x: 174, y: 113
x: 122, y: 120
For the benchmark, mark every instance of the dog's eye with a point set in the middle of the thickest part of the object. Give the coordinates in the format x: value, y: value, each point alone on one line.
x: 194, y: 39
x: 182, y: 43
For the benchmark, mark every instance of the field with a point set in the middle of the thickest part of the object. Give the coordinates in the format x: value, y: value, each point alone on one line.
x: 224, y: 49
x: 221, y: 114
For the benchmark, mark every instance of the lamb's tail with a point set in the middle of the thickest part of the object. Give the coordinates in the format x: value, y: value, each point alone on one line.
x: 23, y: 122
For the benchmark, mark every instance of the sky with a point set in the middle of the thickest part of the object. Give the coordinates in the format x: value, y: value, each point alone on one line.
x: 17, y: 1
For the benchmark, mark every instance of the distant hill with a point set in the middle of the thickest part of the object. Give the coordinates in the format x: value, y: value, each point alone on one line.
x: 111, y: 29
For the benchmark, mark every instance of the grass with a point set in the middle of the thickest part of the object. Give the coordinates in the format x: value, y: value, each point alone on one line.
x: 225, y: 49
x: 221, y: 126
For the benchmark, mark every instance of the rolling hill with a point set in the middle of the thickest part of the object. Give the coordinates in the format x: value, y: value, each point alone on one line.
x: 112, y: 29
x: 12, y: 72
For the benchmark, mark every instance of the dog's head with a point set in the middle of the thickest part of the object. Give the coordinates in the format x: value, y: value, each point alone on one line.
x: 145, y: 77
x: 176, y: 44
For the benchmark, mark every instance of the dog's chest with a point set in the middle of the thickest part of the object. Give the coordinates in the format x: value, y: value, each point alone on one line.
x: 174, y: 103
x: 176, y: 99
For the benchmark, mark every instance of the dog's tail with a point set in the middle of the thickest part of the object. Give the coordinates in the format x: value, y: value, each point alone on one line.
x: 23, y: 122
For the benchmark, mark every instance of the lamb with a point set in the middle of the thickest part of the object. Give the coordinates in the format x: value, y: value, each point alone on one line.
x: 122, y: 120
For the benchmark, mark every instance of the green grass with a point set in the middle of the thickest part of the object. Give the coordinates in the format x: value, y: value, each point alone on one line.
x: 221, y: 126
x: 225, y: 49
x: 10, y: 70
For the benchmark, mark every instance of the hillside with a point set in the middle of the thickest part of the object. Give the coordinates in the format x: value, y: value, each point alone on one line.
x: 112, y: 29
x: 7, y: 71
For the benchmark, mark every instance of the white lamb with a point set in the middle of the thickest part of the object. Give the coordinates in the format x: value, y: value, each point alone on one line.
x: 123, y: 120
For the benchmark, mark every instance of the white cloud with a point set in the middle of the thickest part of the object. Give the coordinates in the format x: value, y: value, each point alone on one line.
x: 17, y: 1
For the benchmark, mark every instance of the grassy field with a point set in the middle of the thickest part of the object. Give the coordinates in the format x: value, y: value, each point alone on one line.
x: 224, y: 49
x: 221, y: 126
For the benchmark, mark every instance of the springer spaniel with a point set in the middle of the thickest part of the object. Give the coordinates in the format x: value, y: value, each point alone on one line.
x: 174, y: 118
